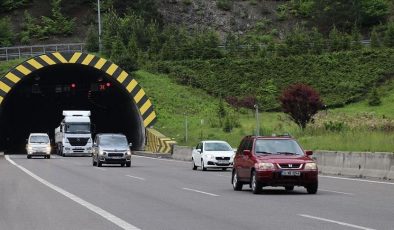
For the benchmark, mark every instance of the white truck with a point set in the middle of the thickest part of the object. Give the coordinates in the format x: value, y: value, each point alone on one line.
x: 73, y: 137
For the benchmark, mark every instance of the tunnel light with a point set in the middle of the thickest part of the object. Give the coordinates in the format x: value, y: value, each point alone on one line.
x: 108, y: 84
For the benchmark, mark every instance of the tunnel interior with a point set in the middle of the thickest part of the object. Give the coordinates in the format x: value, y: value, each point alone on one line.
x: 35, y: 104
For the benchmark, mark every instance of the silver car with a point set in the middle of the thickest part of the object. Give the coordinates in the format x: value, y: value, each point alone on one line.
x: 38, y: 144
x: 111, y: 148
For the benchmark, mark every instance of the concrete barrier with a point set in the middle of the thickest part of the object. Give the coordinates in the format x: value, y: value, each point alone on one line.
x: 183, y: 153
x: 356, y: 164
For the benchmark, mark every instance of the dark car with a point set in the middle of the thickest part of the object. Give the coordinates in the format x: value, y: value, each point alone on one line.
x: 110, y: 148
x: 273, y: 161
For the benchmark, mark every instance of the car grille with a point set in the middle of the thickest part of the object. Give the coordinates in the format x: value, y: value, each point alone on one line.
x: 223, y: 158
x: 76, y: 141
x: 290, y: 166
x: 115, y: 154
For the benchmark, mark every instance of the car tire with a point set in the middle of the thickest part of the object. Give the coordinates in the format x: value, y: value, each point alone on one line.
x: 128, y: 164
x: 99, y: 164
x: 194, y: 165
x: 254, y: 184
x: 93, y: 162
x: 289, y: 188
x: 237, y: 186
x: 48, y: 157
x: 28, y: 157
x: 203, y: 168
x: 122, y: 165
x: 312, y: 189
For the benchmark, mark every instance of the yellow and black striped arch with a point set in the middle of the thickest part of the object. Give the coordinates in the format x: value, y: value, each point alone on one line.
x: 137, y: 94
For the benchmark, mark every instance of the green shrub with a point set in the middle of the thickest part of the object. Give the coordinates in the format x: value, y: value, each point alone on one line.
x: 334, y: 126
x: 6, y: 33
x: 224, y: 4
x: 374, y: 99
x: 92, y: 39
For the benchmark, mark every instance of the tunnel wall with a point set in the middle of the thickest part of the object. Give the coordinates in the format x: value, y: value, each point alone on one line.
x: 127, y: 83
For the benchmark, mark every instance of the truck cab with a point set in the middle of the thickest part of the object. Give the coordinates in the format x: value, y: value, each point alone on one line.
x: 73, y: 137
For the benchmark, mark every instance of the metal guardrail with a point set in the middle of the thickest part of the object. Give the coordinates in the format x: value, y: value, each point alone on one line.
x: 9, y: 53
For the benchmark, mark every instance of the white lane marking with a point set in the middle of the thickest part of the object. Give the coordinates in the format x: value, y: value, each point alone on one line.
x: 343, y: 193
x: 335, y: 222
x: 361, y: 180
x: 100, y: 169
x: 161, y: 159
x: 198, y: 191
x: 135, y: 177
x: 114, y: 219
x: 223, y: 175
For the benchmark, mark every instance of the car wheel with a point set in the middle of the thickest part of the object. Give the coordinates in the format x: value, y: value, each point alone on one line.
x: 254, y: 184
x: 289, y: 188
x: 312, y: 189
x: 93, y: 162
x: 194, y: 165
x: 28, y: 157
x: 128, y: 164
x: 99, y: 164
x: 203, y: 168
x: 237, y: 186
x: 122, y: 165
x: 48, y: 157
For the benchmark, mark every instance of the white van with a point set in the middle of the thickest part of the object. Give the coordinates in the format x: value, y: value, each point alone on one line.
x: 38, y: 144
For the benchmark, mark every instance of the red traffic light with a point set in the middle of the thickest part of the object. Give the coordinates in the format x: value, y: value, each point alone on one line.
x: 108, y: 84
x: 73, y: 85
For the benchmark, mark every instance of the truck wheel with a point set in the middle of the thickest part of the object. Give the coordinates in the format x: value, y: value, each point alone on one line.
x: 48, y: 157
x: 28, y: 156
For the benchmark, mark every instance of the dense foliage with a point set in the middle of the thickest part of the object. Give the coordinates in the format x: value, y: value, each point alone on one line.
x: 6, y: 33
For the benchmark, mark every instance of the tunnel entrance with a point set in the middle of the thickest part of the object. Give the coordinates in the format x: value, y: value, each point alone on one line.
x: 36, y: 101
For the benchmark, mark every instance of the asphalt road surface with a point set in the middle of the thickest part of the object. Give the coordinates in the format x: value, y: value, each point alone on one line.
x: 69, y: 193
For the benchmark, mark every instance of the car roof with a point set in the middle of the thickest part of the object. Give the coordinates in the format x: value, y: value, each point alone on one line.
x: 110, y: 134
x: 38, y: 134
x: 279, y: 137
x: 214, y: 141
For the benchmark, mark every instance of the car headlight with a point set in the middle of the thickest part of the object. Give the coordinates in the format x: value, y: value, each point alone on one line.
x: 101, y: 152
x: 265, y: 166
x: 310, y: 166
x: 29, y: 148
x: 210, y: 157
x: 128, y: 152
x: 48, y: 148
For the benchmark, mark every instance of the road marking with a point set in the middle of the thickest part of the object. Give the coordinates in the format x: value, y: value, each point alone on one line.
x: 135, y: 177
x: 100, y: 169
x: 344, y: 193
x: 336, y: 222
x: 361, y: 180
x: 206, y: 193
x: 114, y: 219
x: 161, y: 159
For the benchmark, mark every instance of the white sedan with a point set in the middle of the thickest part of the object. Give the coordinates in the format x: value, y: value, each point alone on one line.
x: 213, y: 154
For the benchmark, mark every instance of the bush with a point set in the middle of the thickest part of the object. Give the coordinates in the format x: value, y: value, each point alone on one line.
x: 6, y: 33
x: 225, y: 4
x: 92, y: 39
x: 374, y: 99
x: 334, y: 126
x: 301, y: 102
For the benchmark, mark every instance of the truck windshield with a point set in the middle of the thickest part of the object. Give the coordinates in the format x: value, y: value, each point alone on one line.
x: 39, y: 139
x: 77, y: 128
x: 113, y: 142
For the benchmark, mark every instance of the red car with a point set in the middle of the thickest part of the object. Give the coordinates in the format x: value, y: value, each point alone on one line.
x: 273, y: 161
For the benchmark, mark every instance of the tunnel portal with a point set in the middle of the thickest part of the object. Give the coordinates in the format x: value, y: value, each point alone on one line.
x: 34, y: 94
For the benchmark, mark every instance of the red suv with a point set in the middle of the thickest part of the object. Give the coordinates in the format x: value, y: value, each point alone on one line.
x: 273, y: 161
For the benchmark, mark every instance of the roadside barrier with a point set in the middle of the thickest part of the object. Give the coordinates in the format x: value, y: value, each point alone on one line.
x: 157, y: 142
x: 356, y: 164
x: 183, y: 153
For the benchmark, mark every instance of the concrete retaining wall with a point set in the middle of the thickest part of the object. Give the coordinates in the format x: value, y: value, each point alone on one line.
x: 357, y: 164
x: 183, y: 153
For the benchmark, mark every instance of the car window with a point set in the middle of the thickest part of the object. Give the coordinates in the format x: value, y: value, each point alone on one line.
x: 243, y: 146
x: 217, y: 146
x: 275, y: 146
x: 39, y: 139
x: 113, y: 141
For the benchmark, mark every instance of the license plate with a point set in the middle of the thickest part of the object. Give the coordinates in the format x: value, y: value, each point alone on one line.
x: 290, y: 173
x: 223, y: 162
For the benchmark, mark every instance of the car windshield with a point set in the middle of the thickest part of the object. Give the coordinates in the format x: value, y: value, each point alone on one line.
x: 77, y: 128
x: 277, y: 146
x: 113, y: 142
x: 39, y: 139
x: 217, y: 146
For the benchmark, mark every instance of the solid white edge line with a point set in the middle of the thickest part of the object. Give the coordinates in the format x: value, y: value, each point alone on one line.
x: 360, y: 180
x: 110, y: 217
x: 198, y: 191
x: 335, y: 222
x: 344, y: 193
x: 100, y: 169
x: 135, y: 177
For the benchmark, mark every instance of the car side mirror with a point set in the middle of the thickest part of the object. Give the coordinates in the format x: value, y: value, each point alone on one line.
x: 130, y: 145
x: 247, y: 152
x: 309, y: 152
x: 198, y: 150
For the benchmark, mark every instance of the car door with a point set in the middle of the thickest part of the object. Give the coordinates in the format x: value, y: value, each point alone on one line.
x: 239, y: 158
x: 199, y: 150
x: 196, y: 155
x: 248, y: 161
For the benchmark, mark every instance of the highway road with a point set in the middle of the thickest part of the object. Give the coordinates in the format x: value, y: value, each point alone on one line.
x: 69, y: 193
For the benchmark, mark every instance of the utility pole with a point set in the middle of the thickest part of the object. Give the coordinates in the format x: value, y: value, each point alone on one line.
x: 99, y: 23
x: 256, y: 106
x: 186, y: 134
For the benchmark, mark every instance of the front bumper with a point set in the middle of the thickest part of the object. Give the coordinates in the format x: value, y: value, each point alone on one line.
x: 218, y: 164
x: 275, y: 178
x: 77, y: 151
x: 114, y: 160
x: 38, y: 153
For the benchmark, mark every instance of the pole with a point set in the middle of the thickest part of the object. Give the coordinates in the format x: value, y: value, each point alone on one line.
x: 186, y: 134
x: 257, y: 120
x: 99, y: 23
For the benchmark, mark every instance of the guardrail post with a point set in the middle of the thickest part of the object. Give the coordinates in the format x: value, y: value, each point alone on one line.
x: 19, y: 52
x: 6, y: 54
x: 31, y: 51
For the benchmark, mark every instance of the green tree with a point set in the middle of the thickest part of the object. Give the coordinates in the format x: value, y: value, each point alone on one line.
x: 389, y: 35
x: 58, y: 24
x: 316, y: 41
x: 6, y: 32
x: 375, y: 40
x: 267, y: 95
x: 374, y: 11
x: 222, y: 113
x: 356, y: 38
x: 374, y: 99
x: 92, y: 44
x: 121, y: 56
